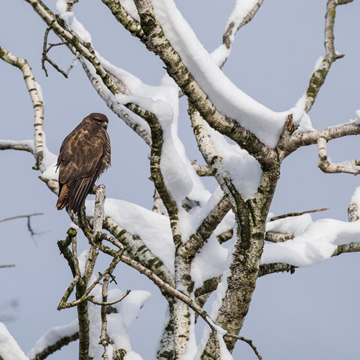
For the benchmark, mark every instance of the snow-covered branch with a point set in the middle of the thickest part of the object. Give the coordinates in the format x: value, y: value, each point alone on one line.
x: 156, y: 41
x: 207, y: 227
x: 242, y: 14
x: 137, y: 250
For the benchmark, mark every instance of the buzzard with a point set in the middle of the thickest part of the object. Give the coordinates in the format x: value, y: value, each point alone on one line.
x: 84, y: 155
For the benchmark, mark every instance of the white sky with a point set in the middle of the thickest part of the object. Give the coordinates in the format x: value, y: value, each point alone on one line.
x: 312, y: 314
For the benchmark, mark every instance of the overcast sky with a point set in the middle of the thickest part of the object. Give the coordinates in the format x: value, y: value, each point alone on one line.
x: 312, y: 314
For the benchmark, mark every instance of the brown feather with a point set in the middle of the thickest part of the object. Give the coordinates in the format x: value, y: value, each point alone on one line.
x: 63, y: 198
x: 84, y: 155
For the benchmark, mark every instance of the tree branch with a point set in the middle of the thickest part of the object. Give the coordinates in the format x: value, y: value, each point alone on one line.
x: 38, y: 105
x: 299, y: 139
x: 349, y: 167
x: 66, y: 340
x: 283, y: 216
x: 319, y: 75
x: 156, y: 42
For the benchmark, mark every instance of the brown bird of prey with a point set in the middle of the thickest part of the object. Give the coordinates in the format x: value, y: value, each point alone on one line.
x: 84, y: 155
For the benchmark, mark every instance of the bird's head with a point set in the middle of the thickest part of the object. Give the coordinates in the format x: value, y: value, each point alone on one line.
x: 101, y: 119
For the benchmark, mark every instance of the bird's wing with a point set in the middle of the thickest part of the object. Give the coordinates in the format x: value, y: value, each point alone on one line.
x: 80, y: 154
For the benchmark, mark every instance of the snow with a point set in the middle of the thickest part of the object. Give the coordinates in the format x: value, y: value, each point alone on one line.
x: 48, y: 162
x: 128, y: 310
x: 301, y: 118
x: 52, y: 336
x: 243, y: 169
x: 357, y: 119
x: 9, y: 348
x: 130, y: 8
x: 293, y: 225
x: 313, y: 242
x: 83, y: 258
x: 203, y: 269
x: 71, y: 21
x: 227, y: 98
x: 152, y: 228
x: 241, y: 10
x: 220, y: 54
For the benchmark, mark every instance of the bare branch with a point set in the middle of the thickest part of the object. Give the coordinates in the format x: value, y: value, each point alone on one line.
x: 349, y: 167
x: 38, y: 106
x: 267, y: 269
x: 347, y: 248
x: 6, y: 266
x: 248, y: 341
x: 353, y: 212
x: 20, y: 216
x: 108, y: 303
x: 45, y: 54
x: 124, y: 18
x: 274, y: 218
x: 276, y: 237
x: 299, y: 139
x: 319, y: 75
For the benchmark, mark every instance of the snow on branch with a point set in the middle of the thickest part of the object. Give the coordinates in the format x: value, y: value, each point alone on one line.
x: 313, y: 242
x: 53, y: 340
x: 242, y: 14
x: 9, y: 348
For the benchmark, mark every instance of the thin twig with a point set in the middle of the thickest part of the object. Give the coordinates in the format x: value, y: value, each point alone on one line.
x: 45, y: 52
x: 108, y: 303
x: 20, y: 216
x: 248, y: 341
x: 297, y: 214
x: 32, y: 232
